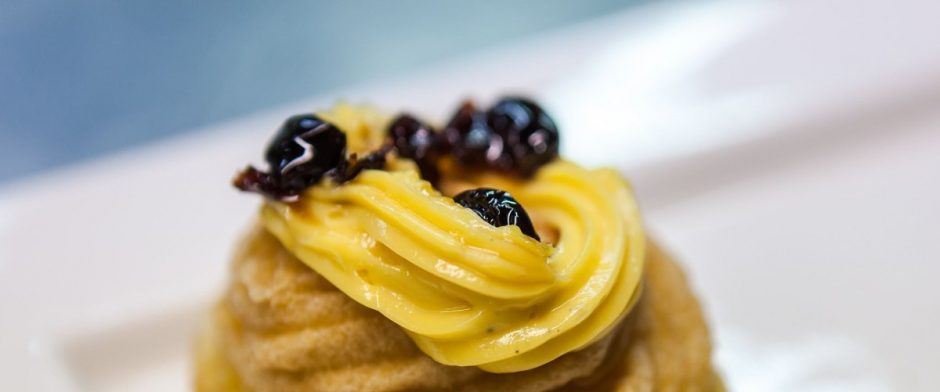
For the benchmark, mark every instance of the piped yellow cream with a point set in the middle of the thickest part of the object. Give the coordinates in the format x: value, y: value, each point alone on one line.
x: 468, y: 293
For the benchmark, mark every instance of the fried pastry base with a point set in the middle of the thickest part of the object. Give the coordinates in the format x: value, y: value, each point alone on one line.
x: 283, y: 327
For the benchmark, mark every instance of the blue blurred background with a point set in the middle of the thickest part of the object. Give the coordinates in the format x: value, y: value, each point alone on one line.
x: 79, y: 79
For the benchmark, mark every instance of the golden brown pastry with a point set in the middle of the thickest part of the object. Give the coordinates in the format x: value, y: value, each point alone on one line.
x: 408, y: 265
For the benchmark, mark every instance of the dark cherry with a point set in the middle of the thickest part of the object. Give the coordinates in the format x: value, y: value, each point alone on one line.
x: 418, y: 141
x: 530, y: 135
x: 497, y: 208
x: 412, y: 138
x: 303, y: 150
x: 471, y: 139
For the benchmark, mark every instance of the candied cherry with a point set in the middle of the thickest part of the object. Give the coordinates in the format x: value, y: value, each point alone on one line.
x: 302, y: 151
x: 530, y: 135
x: 471, y: 139
x: 498, y: 208
x: 418, y: 141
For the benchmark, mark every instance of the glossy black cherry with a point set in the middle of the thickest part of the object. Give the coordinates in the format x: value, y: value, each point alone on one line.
x: 472, y: 141
x: 418, y: 141
x: 497, y: 208
x: 412, y: 138
x: 303, y: 150
x: 530, y: 135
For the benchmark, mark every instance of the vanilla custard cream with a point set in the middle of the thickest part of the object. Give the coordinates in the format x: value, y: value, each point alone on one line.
x: 468, y: 293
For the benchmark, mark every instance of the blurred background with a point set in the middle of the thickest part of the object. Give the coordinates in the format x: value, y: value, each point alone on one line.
x: 78, y: 79
x: 788, y: 152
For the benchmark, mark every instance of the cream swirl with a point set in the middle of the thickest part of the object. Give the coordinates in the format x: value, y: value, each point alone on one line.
x: 470, y: 294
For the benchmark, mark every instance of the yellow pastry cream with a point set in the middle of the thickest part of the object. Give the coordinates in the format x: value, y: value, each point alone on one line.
x: 466, y: 292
